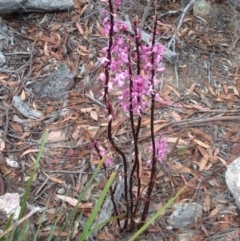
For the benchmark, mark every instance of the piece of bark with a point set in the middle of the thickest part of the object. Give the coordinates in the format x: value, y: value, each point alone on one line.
x: 10, y: 6
x: 25, y: 109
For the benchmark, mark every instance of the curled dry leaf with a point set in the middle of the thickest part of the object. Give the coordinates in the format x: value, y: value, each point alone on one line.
x: 29, y: 151
x: 73, y: 202
x: 54, y: 179
x: 177, y: 166
x: 176, y: 116
x: 94, y: 115
x: 203, y: 163
x: 183, y: 32
x: 174, y: 90
x: 105, y: 235
x: 79, y: 28
x: 2, y: 145
x: 200, y: 143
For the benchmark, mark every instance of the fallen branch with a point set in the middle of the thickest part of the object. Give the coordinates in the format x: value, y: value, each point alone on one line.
x: 200, y: 120
x: 145, y: 14
x: 184, y: 12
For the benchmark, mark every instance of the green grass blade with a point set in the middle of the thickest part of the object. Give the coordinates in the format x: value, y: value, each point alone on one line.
x: 8, y: 224
x: 29, y: 184
x: 88, y: 185
x: 100, y: 225
x: 55, y: 224
x: 155, y: 216
x: 86, y: 230
x: 41, y: 221
x: 23, y: 233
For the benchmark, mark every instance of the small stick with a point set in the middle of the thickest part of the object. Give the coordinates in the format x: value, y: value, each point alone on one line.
x: 145, y: 14
x: 185, y: 10
x: 200, y: 120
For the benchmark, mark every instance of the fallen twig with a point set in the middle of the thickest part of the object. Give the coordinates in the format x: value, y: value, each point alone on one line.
x: 145, y: 14
x: 184, y: 12
x: 201, y: 120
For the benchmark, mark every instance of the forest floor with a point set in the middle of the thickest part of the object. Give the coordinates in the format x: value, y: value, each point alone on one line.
x: 201, y: 96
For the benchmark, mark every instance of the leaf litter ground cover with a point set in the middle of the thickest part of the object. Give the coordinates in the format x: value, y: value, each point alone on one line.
x: 201, y: 112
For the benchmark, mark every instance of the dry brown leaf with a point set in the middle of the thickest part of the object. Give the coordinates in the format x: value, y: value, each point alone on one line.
x: 177, y: 166
x: 2, y: 189
x: 235, y: 91
x: 83, y: 9
x: 197, y: 237
x: 207, y: 203
x: 204, y: 230
x: 176, y: 116
x: 174, y: 139
x: 16, y: 127
x: 3, y: 76
x: 94, y: 115
x: 79, y: 28
x: 54, y: 179
x: 203, y: 163
x: 201, y: 133
x: 215, y: 211
x: 72, y: 201
x: 75, y: 134
x: 190, y: 91
x: 157, y: 128
x: 199, y: 107
x: 187, y: 19
x: 5, y: 170
x: 23, y: 95
x: 174, y: 90
x: 55, y: 26
x: 183, y: 32
x: 29, y: 151
x: 225, y: 87
x: 45, y: 49
x: 200, y: 143
x: 105, y: 235
x: 100, y: 29
x: 85, y: 110
x: 191, y: 32
x: 236, y: 149
x: 86, y: 208
x: 56, y: 136
x: 51, y: 211
x: 222, y: 161
x: 62, y: 234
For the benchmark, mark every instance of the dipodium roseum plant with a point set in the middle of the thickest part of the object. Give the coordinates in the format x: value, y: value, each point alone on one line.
x: 132, y: 68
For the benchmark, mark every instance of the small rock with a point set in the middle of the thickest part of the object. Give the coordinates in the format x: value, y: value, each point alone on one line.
x: 233, y: 180
x: 202, y: 8
x: 2, y: 59
x: 55, y: 86
x: 12, y: 163
x: 184, y: 214
x: 61, y: 191
x: 10, y: 204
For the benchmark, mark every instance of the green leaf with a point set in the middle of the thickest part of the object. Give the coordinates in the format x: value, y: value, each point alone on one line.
x: 86, y: 231
x: 155, y: 216
x: 88, y: 185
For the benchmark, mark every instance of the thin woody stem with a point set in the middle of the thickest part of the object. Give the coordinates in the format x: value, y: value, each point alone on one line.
x: 110, y: 110
x: 154, y: 159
